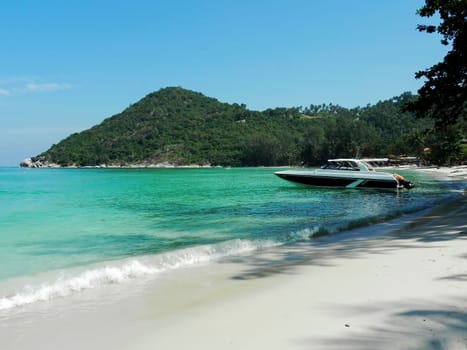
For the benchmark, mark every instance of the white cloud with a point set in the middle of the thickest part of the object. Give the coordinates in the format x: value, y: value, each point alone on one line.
x: 33, y: 87
x: 19, y: 86
x: 5, y: 92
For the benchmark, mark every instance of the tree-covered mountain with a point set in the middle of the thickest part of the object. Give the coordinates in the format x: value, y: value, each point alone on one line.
x: 182, y: 127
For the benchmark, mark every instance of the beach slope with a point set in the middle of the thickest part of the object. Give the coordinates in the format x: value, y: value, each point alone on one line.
x: 396, y: 285
x: 404, y: 289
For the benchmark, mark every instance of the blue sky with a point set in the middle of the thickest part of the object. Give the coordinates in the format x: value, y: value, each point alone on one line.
x: 67, y: 65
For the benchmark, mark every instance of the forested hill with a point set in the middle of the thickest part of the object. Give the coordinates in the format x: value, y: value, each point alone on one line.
x: 182, y: 127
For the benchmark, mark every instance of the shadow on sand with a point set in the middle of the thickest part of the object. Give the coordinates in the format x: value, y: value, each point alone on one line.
x: 442, y: 326
x: 411, y: 322
x: 445, y: 223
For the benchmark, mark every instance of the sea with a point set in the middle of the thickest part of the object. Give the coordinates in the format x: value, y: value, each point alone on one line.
x: 67, y: 231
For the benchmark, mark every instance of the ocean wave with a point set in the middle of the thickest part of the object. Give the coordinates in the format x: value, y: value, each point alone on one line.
x: 122, y: 272
x: 151, y: 265
x: 63, y: 287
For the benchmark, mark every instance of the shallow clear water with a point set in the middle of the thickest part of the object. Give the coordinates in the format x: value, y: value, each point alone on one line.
x: 107, y: 225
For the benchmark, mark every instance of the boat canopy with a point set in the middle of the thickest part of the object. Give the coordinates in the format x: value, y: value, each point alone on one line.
x: 347, y: 164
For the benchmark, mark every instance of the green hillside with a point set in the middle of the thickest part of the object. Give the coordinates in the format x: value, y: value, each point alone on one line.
x: 183, y: 127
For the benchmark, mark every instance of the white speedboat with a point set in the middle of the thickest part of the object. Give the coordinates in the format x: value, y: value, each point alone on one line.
x: 347, y: 173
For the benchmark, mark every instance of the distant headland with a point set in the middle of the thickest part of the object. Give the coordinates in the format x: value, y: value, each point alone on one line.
x: 175, y: 127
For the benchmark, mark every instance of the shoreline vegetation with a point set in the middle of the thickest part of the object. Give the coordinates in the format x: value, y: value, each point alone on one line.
x: 40, y: 164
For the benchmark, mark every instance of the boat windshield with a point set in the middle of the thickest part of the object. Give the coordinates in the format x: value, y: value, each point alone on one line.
x: 341, y: 165
x: 368, y: 166
x: 347, y: 164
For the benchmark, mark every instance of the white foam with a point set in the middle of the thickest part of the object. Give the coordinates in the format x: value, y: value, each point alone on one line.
x: 86, y: 280
x: 206, y: 253
x: 128, y: 270
x: 306, y: 233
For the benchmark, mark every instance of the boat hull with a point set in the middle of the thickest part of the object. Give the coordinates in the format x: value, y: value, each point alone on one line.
x: 320, y: 180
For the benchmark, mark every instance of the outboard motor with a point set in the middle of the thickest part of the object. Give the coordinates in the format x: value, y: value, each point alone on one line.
x: 407, y: 184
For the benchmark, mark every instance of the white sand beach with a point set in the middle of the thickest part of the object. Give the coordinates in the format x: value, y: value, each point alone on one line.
x: 403, y: 290
x: 396, y: 285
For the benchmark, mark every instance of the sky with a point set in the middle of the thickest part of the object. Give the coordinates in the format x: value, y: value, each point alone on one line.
x: 67, y: 65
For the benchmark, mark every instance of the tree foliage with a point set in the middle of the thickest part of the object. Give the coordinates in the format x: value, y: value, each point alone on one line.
x: 184, y: 127
x: 443, y: 97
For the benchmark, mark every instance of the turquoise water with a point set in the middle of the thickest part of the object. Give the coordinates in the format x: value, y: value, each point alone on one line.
x: 99, y: 226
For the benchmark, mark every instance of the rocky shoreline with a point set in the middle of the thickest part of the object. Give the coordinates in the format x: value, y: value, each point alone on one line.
x: 39, y: 162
